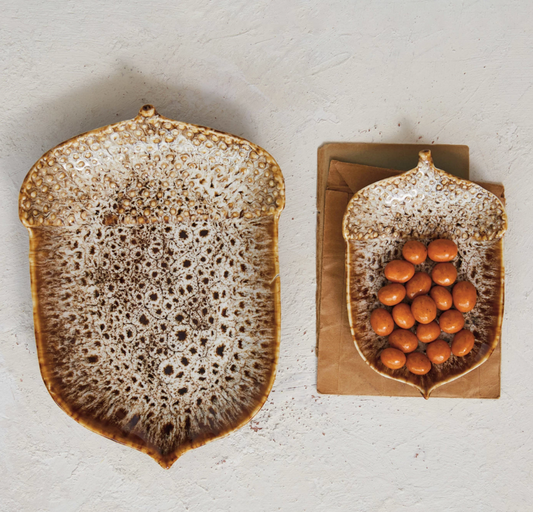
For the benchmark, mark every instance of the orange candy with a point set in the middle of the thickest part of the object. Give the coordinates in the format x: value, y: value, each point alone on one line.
x: 399, y: 271
x: 451, y: 321
x: 442, y: 250
x: 463, y: 343
x: 418, y: 363
x: 438, y: 352
x: 419, y: 284
x: 442, y: 297
x: 424, y: 309
x: 391, y: 294
x: 401, y: 313
x: 427, y: 333
x: 381, y: 321
x: 393, y: 358
x: 415, y: 252
x: 444, y: 274
x: 403, y: 340
x: 464, y: 296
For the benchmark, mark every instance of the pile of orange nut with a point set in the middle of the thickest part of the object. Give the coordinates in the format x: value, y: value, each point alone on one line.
x: 416, y: 297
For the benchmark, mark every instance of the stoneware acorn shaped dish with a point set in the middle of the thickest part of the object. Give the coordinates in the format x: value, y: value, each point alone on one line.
x: 154, y: 268
x: 425, y: 204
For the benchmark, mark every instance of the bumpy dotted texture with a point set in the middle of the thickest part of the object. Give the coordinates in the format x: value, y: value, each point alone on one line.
x: 424, y: 203
x: 160, y: 328
x: 387, y: 224
x: 151, y: 169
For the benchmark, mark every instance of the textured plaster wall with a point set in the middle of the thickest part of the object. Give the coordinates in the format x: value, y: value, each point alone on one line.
x: 288, y: 75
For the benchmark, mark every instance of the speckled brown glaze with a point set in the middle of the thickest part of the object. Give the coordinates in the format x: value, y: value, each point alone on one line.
x: 425, y: 204
x: 153, y: 252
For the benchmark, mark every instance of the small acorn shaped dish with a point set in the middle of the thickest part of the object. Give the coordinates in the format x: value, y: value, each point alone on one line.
x: 423, y: 205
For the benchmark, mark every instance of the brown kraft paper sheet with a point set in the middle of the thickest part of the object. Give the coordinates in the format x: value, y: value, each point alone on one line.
x: 341, y: 370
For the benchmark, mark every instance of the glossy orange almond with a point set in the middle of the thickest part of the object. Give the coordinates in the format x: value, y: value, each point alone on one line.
x: 442, y: 297
x: 402, y: 315
x: 381, y: 322
x: 399, y: 271
x: 403, y: 340
x: 442, y: 250
x: 463, y: 342
x: 424, y: 309
x: 419, y: 284
x: 393, y: 358
x: 464, y: 296
x: 392, y: 294
x: 418, y: 363
x: 415, y: 252
x: 444, y: 274
x: 427, y: 333
x: 451, y: 321
x: 438, y: 352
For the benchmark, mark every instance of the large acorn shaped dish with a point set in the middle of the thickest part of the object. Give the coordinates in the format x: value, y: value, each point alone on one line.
x: 425, y: 204
x: 155, y: 282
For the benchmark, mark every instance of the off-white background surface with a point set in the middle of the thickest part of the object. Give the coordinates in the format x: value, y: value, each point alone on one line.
x: 289, y: 76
